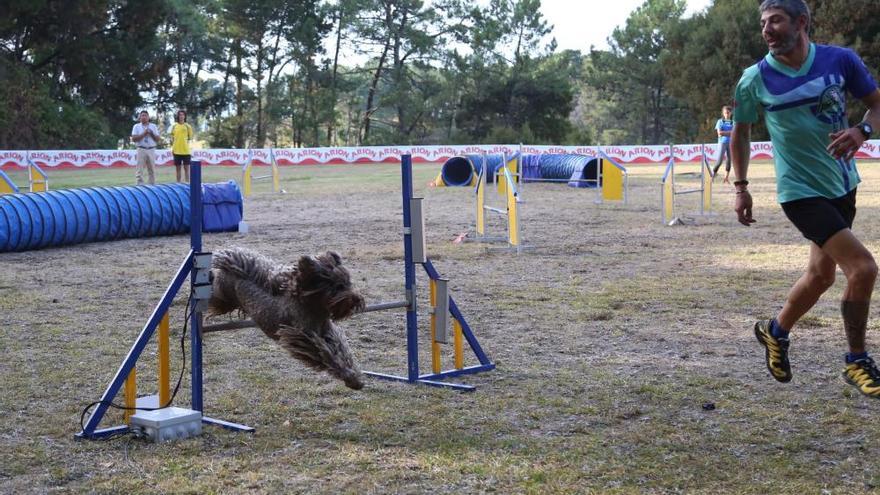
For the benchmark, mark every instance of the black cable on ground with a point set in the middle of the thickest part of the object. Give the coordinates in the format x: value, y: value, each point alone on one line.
x: 112, y: 404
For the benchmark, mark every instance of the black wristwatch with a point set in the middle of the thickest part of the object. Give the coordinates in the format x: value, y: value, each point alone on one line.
x: 866, y: 129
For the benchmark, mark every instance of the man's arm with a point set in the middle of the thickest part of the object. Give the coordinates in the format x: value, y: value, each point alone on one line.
x: 157, y: 137
x: 845, y: 143
x: 872, y: 116
x: 137, y: 137
x: 720, y: 129
x: 740, y: 152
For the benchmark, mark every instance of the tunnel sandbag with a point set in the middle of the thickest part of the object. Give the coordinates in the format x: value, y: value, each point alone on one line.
x: 222, y: 207
x: 574, y: 168
x: 456, y: 172
x: 73, y: 216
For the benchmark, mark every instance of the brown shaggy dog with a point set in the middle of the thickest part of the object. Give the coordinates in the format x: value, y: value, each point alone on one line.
x: 295, y: 306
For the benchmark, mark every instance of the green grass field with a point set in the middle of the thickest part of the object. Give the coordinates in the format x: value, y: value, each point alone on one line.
x: 610, y: 336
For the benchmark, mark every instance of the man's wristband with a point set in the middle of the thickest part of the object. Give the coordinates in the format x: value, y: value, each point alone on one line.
x: 740, y: 183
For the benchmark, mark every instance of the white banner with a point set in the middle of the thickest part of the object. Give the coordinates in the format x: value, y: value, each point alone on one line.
x: 374, y: 154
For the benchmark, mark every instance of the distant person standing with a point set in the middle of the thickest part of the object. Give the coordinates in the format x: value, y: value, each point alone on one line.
x: 181, y: 135
x: 724, y: 126
x: 146, y: 137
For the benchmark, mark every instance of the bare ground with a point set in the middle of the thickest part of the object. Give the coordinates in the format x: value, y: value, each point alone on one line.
x: 610, y: 337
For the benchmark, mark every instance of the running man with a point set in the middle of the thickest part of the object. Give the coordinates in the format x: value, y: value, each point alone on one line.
x: 801, y: 87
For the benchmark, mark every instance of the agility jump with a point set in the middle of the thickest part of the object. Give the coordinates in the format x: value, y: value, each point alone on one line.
x: 611, y: 182
x: 248, y: 177
x: 507, y: 188
x: 668, y: 191
x: 609, y: 178
x: 442, y: 307
x: 443, y: 304
x: 38, y: 181
x: 196, y: 267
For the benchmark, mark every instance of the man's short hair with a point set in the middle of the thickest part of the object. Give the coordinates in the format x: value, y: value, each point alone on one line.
x: 144, y: 112
x: 794, y: 9
x: 727, y: 107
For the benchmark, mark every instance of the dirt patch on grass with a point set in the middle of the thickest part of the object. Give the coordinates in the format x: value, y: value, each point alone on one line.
x: 610, y: 336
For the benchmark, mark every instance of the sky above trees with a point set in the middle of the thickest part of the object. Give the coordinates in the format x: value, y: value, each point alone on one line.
x: 255, y: 73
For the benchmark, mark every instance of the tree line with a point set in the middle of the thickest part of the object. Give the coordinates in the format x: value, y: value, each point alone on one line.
x: 255, y: 73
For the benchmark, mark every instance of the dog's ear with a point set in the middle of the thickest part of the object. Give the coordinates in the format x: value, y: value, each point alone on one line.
x: 333, y: 255
x: 307, y: 264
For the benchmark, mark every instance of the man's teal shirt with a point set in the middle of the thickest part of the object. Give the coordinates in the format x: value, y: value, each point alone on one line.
x: 801, y: 109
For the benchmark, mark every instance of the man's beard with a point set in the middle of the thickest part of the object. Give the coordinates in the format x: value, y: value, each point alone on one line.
x: 785, y: 45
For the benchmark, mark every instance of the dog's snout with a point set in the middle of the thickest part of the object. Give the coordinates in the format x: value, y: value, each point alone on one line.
x: 354, y: 382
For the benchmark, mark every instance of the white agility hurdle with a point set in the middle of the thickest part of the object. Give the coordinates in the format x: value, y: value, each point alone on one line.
x: 38, y: 181
x: 248, y: 177
x: 506, y: 187
x: 668, y: 191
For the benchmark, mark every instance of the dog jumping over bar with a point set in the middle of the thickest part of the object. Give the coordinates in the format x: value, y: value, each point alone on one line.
x: 295, y: 306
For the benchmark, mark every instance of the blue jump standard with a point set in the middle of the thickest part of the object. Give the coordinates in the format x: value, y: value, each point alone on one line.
x: 186, y: 270
x: 412, y: 338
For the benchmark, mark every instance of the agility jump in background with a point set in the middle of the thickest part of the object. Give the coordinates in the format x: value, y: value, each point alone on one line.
x: 38, y: 181
x: 668, y: 191
x: 608, y: 178
x: 248, y: 177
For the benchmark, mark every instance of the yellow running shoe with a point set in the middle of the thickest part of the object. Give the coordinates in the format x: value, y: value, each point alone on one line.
x: 776, y: 352
x: 863, y: 375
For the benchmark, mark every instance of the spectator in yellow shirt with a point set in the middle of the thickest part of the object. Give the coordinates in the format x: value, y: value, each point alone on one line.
x: 181, y: 135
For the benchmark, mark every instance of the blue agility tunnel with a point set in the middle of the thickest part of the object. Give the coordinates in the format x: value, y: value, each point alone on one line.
x: 464, y: 170
x: 493, y: 165
x: 73, y: 216
x: 457, y: 171
x: 577, y: 170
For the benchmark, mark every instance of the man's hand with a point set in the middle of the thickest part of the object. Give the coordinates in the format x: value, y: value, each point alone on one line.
x: 743, y: 207
x: 845, y: 143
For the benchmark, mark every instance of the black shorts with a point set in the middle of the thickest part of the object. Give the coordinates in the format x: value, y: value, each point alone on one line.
x: 819, y: 219
x: 181, y: 159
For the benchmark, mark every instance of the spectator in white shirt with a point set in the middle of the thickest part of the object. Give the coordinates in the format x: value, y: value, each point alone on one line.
x: 146, y: 136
